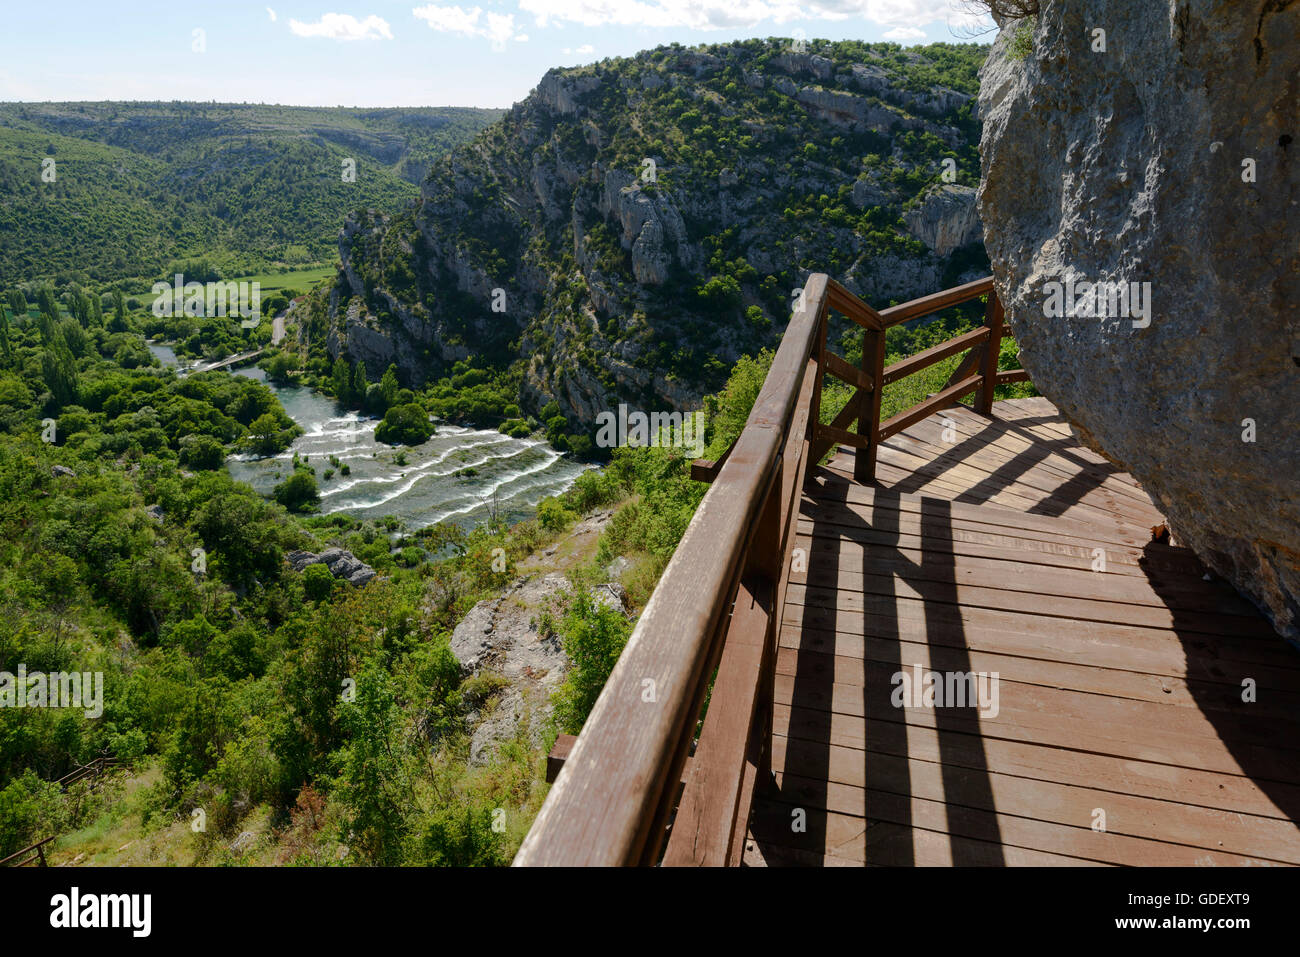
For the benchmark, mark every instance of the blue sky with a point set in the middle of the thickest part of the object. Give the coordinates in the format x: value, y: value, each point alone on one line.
x: 376, y: 53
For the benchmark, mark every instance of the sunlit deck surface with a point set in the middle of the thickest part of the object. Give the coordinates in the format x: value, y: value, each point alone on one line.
x: 1120, y: 692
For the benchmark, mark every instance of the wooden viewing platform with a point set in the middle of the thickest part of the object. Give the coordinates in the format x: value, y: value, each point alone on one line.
x: 1141, y: 714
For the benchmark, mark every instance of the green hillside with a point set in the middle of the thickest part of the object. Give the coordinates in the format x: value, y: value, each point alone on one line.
x: 137, y: 187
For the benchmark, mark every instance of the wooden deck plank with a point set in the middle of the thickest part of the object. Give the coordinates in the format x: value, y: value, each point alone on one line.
x: 1120, y: 690
x: 1088, y: 677
x: 1033, y: 468
x: 1178, y: 747
x: 1076, y: 808
x: 1192, y: 786
x: 1014, y: 837
x: 828, y: 486
x: 1025, y: 603
x: 888, y: 617
x: 849, y: 568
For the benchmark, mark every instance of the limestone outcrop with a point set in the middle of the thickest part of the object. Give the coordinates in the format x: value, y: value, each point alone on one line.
x: 1151, y: 147
x: 946, y: 219
x: 340, y: 562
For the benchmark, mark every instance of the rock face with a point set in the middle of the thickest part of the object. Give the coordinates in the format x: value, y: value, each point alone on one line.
x: 580, y: 236
x: 501, y: 635
x: 1172, y: 159
x: 340, y: 562
x: 947, y: 219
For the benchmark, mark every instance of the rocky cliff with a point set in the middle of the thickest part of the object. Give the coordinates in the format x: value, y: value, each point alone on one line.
x: 1151, y: 147
x: 632, y: 227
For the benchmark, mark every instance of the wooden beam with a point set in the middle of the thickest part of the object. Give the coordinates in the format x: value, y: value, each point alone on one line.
x: 705, y: 826
x: 935, y: 354
x: 873, y: 357
x: 833, y: 436
x: 941, y: 400
x: 706, y: 470
x: 1008, y: 376
x: 559, y: 754
x: 846, y: 372
x: 821, y: 443
x: 843, y: 301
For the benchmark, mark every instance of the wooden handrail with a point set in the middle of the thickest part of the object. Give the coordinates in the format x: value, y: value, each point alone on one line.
x: 611, y: 803
x: 95, y: 768
x: 935, y: 302
x: 922, y: 360
x: 624, y: 793
x: 39, y: 857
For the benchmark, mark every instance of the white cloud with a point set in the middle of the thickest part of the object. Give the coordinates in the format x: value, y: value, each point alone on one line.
x: 583, y: 50
x: 342, y: 26
x: 905, y: 33
x: 271, y: 14
x: 722, y: 14
x: 471, y: 22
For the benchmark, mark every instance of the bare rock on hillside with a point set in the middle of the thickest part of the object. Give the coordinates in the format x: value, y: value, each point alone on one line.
x: 340, y: 562
x: 946, y: 219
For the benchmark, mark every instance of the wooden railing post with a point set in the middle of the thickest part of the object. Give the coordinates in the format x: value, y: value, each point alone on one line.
x: 873, y: 364
x: 993, y: 348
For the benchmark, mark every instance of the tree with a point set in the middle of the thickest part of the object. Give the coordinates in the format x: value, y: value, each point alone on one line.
x: 264, y: 434
x: 18, y: 303
x: 593, y: 635
x: 342, y: 381
x: 4, y: 335
x: 317, y: 582
x: 118, y: 323
x: 75, y: 336
x: 59, y: 369
x: 375, y: 783
x: 359, y: 383
x: 389, y: 386
x: 405, y: 425
x: 47, y: 304
x: 279, y: 367
x: 298, y: 493
x: 202, y: 452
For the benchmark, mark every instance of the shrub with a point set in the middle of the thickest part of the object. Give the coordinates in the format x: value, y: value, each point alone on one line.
x: 553, y: 516
x: 317, y: 582
x: 405, y: 425
x: 202, y: 452
x: 298, y: 493
x: 593, y: 635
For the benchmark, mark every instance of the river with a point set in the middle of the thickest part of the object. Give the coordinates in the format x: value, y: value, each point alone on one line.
x: 497, y: 472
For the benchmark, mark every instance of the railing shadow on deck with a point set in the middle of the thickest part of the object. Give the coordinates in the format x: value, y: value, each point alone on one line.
x: 889, y: 794
x: 1005, y: 476
x: 713, y: 620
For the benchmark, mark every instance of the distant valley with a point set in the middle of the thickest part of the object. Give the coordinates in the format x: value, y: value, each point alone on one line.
x: 99, y: 192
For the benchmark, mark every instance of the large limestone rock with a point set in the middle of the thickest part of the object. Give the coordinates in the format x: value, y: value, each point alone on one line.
x: 340, y: 563
x: 1128, y: 166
